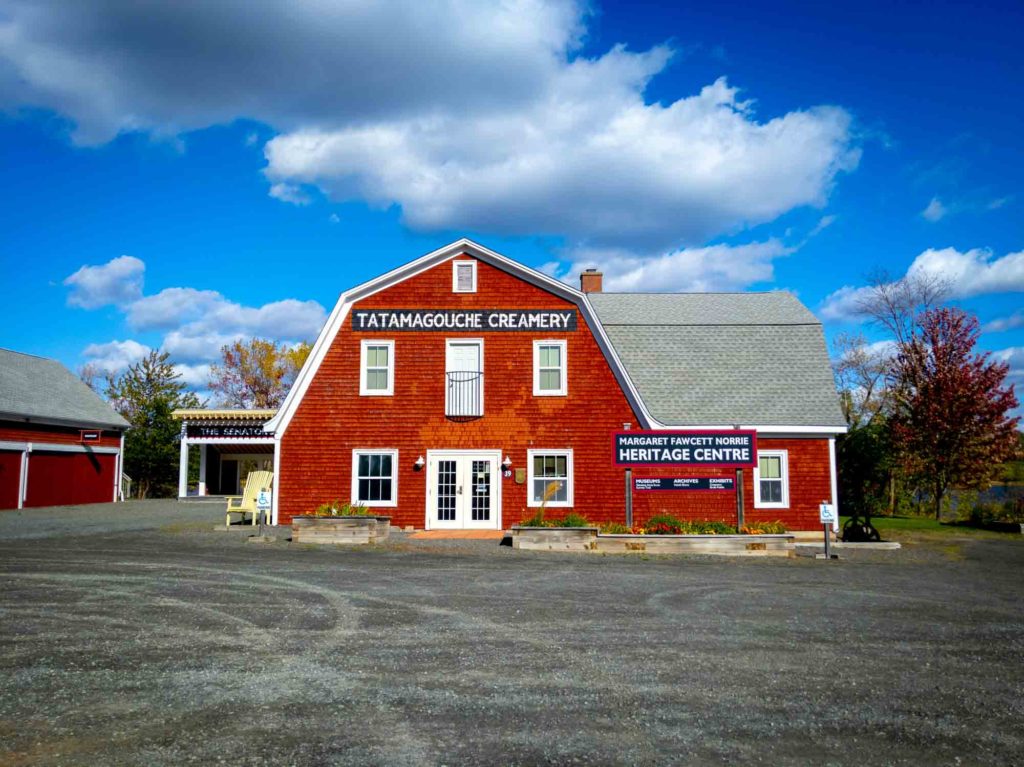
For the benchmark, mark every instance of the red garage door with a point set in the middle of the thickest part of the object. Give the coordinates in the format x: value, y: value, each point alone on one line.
x: 57, y: 479
x: 10, y: 478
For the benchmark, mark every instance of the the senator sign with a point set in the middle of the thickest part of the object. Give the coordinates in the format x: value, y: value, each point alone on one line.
x: 225, y: 431
x: 470, y: 320
x: 684, y: 483
x: 736, y: 449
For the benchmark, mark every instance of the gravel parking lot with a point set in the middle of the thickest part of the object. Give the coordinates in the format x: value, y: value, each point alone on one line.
x: 133, y: 634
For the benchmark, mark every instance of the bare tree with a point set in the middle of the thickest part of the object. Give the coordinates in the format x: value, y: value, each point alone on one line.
x: 898, y: 305
x: 93, y: 377
x: 860, y: 373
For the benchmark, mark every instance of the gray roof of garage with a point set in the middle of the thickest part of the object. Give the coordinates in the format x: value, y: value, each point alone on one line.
x: 38, y: 389
x: 711, y: 359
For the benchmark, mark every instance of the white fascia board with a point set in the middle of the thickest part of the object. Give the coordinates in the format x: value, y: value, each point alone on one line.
x: 772, y: 430
x: 279, y: 423
x: 17, y: 446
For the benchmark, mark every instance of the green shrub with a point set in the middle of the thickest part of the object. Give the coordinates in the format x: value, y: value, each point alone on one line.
x: 537, y: 520
x: 338, y: 508
x: 614, y: 528
x: 666, y: 524
x: 764, y: 528
x: 572, y: 520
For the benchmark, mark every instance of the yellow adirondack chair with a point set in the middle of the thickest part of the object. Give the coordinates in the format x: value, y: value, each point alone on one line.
x: 246, y: 502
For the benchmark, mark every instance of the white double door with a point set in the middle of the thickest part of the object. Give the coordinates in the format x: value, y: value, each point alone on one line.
x: 463, y: 490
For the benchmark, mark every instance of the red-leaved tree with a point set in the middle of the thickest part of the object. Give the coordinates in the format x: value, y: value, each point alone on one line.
x: 950, y: 422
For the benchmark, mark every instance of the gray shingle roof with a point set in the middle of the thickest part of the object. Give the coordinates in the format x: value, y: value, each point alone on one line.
x: 41, y: 389
x: 755, y: 359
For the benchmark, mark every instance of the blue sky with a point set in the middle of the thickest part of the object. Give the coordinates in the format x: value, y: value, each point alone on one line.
x: 176, y: 177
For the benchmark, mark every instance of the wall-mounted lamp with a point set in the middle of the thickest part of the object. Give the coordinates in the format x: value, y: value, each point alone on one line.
x: 419, y: 464
x: 507, y: 462
x: 627, y: 426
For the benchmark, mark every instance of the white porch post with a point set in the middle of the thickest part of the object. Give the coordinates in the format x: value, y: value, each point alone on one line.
x: 834, y: 480
x: 274, y: 495
x: 202, y: 469
x: 183, y: 466
x: 23, y: 478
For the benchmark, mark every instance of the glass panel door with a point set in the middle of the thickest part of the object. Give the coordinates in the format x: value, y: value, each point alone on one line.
x: 481, y: 496
x: 463, y: 491
x: 447, y: 493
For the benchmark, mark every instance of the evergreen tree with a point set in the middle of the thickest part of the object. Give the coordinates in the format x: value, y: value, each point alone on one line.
x: 145, y: 395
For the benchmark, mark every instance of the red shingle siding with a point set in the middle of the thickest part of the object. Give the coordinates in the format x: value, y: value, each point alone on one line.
x: 809, y: 484
x: 11, y: 431
x: 333, y: 419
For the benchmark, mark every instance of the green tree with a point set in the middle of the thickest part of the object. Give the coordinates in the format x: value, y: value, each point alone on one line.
x: 145, y: 395
x: 256, y: 373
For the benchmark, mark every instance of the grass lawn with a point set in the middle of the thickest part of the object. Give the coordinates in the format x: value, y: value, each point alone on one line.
x: 925, y: 528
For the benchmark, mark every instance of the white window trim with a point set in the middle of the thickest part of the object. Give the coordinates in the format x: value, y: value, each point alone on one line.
x: 390, y: 390
x: 568, y: 502
x: 455, y: 275
x: 784, y: 465
x: 564, y: 390
x: 355, y: 477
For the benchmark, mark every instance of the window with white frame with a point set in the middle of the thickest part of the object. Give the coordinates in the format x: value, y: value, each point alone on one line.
x: 771, y: 480
x: 375, y: 477
x: 549, y: 369
x: 464, y: 276
x: 550, y: 477
x: 377, y: 368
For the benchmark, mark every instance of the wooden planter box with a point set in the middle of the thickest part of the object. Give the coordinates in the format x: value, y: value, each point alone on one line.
x: 353, y: 531
x: 590, y: 539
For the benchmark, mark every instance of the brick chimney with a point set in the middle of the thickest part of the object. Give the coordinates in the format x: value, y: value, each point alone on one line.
x: 590, y: 281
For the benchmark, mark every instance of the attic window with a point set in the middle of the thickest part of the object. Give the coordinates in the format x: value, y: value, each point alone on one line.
x: 464, y: 276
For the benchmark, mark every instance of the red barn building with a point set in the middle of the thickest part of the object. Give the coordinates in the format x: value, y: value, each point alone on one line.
x: 59, y: 442
x: 454, y: 391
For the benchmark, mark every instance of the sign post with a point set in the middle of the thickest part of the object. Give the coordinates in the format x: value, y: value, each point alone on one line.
x: 629, y: 498
x: 262, y: 507
x: 827, y: 515
x: 739, y: 500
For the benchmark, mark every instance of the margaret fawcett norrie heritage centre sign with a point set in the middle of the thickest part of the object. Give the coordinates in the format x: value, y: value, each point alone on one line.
x: 737, y: 449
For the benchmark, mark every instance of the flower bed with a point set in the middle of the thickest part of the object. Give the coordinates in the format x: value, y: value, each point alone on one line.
x: 342, y: 523
x: 662, y: 534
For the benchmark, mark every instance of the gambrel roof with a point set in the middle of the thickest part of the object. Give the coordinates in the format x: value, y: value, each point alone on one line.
x: 702, y: 359
x: 710, y: 360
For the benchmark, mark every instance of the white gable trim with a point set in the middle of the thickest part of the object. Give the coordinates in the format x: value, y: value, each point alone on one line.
x: 279, y: 423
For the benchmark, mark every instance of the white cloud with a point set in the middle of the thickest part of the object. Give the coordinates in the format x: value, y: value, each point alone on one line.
x: 119, y: 281
x: 171, y: 307
x: 1014, y: 356
x: 473, y: 115
x: 971, y: 273
x: 115, y: 356
x: 934, y: 211
x: 174, y: 67
x: 998, y: 325
x: 824, y: 223
x: 334, y: 218
x: 193, y: 376
x: 714, y: 268
x: 589, y: 160
x: 195, y: 344
x: 196, y: 324
x: 289, y: 193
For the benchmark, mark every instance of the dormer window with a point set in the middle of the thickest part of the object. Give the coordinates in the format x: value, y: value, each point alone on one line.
x: 464, y: 276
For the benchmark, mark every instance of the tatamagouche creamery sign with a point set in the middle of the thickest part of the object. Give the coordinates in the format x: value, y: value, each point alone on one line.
x: 482, y: 319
